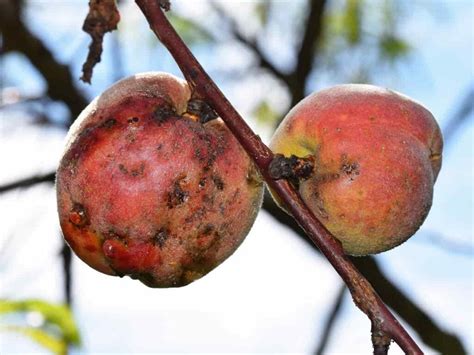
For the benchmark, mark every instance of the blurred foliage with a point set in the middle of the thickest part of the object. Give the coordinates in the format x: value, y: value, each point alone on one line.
x: 351, y: 20
x: 56, y: 329
x: 190, y: 31
x: 361, y: 38
x: 264, y: 113
x: 262, y: 10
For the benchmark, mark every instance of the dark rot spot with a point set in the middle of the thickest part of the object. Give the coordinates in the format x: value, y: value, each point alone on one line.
x: 163, y: 112
x: 123, y: 169
x: 139, y: 171
x: 160, y: 237
x: 78, y: 215
x: 218, y: 182
x: 133, y: 172
x: 350, y: 169
x: 208, y: 228
x: 109, y: 123
x: 177, y: 195
x: 202, y: 182
x: 133, y: 120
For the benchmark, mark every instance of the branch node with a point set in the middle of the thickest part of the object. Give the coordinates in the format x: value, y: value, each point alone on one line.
x: 380, y: 340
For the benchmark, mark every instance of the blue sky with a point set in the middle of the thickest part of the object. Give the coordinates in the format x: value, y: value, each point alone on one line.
x: 253, y: 302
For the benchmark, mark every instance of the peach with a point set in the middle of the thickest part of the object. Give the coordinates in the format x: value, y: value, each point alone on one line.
x: 146, y: 190
x: 376, y: 157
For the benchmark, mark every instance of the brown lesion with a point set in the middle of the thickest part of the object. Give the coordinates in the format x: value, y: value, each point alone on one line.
x: 108, y: 123
x: 163, y: 112
x: 218, y: 182
x: 133, y: 120
x: 201, y: 256
x: 132, y: 172
x: 319, y: 203
x: 160, y: 237
x: 178, y: 195
x: 349, y: 167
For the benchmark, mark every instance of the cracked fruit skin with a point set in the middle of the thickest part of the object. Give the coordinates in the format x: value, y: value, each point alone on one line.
x: 376, y: 156
x: 147, y: 192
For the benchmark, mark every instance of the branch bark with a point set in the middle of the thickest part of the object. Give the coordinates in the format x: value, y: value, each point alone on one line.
x: 384, y: 324
x: 427, y: 329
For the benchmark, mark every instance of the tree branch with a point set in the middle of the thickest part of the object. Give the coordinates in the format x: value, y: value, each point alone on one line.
x: 17, y: 37
x: 461, y: 115
x: 431, y: 334
x: 384, y: 324
x: 331, y: 320
x: 30, y: 181
x: 251, y: 44
x: 307, y: 50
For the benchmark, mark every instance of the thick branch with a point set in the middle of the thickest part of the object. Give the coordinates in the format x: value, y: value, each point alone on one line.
x: 431, y: 334
x: 306, y: 53
x: 363, y: 294
x: 17, y: 37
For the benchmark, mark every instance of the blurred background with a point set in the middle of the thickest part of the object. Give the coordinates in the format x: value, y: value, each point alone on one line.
x: 276, y: 294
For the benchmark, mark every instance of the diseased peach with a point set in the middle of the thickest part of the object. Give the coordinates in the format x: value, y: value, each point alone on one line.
x: 147, y: 192
x: 377, y: 154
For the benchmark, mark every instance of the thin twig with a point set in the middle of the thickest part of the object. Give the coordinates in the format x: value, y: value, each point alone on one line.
x: 331, y: 320
x: 27, y: 182
x: 461, y: 115
x: 384, y: 323
x: 251, y: 44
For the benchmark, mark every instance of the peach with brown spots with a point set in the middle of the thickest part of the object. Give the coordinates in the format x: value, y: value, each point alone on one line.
x: 146, y: 191
x: 377, y: 154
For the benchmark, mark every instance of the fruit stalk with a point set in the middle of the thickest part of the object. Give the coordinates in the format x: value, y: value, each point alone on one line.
x: 384, y: 325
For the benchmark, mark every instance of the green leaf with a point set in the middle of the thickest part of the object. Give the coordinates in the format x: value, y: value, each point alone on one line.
x: 46, y: 340
x: 392, y: 47
x: 55, y: 314
x: 262, y: 10
x: 352, y: 21
x: 264, y: 113
x: 190, y: 31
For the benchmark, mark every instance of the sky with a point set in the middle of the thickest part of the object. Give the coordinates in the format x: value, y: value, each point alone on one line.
x: 274, y: 293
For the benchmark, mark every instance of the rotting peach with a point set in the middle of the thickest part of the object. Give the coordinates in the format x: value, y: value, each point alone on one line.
x: 145, y: 190
x: 376, y: 157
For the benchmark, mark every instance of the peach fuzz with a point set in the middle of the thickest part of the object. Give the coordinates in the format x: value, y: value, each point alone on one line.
x: 377, y: 155
x: 147, y: 192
